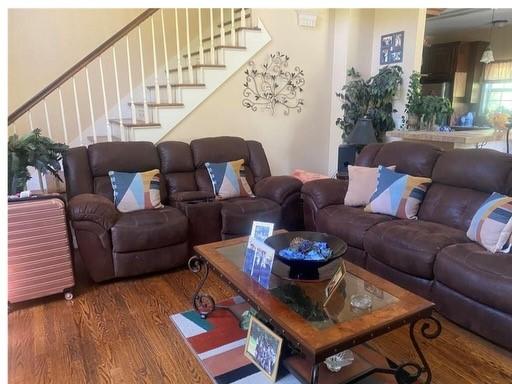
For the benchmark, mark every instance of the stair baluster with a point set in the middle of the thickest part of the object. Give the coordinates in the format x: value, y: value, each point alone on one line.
x: 222, y: 30
x: 105, y: 105
x: 155, y: 63
x: 130, y: 82
x: 233, y: 34
x: 189, y: 57
x: 144, y: 98
x: 167, y: 74
x: 77, y: 112
x: 62, y: 115
x: 178, y: 51
x: 201, y: 52
x: 30, y: 123
x: 119, y: 112
x: 47, y: 120
x: 91, y: 109
x: 242, y: 17
x: 212, y: 38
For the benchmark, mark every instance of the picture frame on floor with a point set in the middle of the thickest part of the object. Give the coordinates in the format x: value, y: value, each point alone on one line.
x: 263, y: 348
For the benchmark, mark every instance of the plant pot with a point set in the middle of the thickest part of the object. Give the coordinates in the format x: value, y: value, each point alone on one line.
x: 413, y: 122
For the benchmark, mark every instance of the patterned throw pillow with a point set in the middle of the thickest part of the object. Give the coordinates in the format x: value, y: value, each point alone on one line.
x: 362, y: 183
x: 228, y: 179
x: 491, y: 225
x: 135, y: 191
x: 398, y: 194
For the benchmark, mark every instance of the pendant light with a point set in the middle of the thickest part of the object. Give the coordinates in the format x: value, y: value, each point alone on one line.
x: 487, y: 55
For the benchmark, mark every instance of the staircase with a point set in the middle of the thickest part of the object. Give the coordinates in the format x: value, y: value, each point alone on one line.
x: 145, y: 79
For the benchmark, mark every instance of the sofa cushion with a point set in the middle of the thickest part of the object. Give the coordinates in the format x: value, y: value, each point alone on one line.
x: 410, y: 246
x: 492, y: 224
x: 477, y: 273
x: 239, y: 213
x: 136, y: 191
x: 228, y: 179
x: 398, y: 194
x: 348, y: 223
x: 149, y: 229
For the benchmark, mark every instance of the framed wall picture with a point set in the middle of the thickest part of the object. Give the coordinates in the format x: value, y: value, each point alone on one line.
x: 392, y: 48
x: 263, y: 348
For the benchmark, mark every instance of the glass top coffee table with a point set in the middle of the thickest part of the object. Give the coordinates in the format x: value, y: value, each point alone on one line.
x: 294, y: 310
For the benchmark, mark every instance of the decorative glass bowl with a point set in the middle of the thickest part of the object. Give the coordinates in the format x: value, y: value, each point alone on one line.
x: 335, y: 362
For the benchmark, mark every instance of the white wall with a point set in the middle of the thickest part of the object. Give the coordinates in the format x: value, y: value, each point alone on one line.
x: 299, y: 140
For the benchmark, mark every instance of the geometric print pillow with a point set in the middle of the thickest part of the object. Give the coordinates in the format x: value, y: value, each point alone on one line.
x: 491, y: 225
x: 398, y: 194
x: 228, y: 179
x: 136, y: 191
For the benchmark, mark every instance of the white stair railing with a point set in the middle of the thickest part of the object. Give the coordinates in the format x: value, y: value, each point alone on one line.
x: 81, y: 92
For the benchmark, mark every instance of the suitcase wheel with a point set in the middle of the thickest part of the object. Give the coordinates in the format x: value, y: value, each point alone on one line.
x: 68, y: 295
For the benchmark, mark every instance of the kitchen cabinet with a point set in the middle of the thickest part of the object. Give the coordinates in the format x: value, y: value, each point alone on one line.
x: 457, y: 63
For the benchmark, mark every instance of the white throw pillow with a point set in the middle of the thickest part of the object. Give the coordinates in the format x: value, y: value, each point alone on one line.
x: 362, y: 182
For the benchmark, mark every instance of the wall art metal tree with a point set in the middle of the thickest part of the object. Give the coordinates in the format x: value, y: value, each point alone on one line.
x: 273, y: 86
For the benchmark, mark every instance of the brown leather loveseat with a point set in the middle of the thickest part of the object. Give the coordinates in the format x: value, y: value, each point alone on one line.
x: 432, y: 255
x: 114, y: 244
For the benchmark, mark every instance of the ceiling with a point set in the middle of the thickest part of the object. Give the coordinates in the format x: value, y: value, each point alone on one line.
x: 458, y: 19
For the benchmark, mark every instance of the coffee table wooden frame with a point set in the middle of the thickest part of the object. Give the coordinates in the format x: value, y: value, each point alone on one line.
x: 315, y: 345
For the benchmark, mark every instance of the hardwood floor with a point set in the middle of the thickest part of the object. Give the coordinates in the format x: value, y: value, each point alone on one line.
x: 119, y: 332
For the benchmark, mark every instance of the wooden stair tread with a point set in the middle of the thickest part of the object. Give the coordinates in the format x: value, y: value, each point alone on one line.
x: 102, y: 138
x: 151, y: 104
x: 195, y: 66
x: 129, y: 124
x: 237, y: 29
x: 183, y: 85
x: 238, y: 18
x: 195, y: 53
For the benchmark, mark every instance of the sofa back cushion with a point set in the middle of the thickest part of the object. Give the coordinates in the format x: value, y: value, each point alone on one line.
x: 134, y: 156
x: 462, y: 180
x: 226, y: 148
x: 177, y: 166
x: 415, y: 159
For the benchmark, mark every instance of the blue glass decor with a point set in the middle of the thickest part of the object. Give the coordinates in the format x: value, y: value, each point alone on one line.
x: 302, y: 249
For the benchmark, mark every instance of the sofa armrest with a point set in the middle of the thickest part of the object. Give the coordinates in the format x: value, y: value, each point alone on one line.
x: 325, y: 192
x: 95, y: 208
x: 179, y: 197
x: 277, y: 188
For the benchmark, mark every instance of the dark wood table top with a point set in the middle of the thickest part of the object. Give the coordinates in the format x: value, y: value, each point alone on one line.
x: 317, y: 342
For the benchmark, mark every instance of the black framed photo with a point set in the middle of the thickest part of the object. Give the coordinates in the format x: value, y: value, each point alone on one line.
x: 392, y: 48
x: 263, y: 348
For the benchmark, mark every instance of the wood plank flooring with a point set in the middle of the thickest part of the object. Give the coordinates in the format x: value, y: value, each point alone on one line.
x: 119, y: 332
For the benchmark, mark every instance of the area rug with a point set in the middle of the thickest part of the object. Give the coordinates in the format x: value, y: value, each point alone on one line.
x: 218, y: 343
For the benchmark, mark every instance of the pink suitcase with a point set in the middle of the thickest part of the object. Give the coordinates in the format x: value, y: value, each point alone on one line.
x: 39, y: 255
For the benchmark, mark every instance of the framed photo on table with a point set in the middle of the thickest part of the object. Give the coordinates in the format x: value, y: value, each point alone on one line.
x: 263, y: 348
x: 261, y: 230
x: 335, y: 282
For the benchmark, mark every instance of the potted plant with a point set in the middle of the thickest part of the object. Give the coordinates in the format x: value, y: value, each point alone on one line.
x: 372, y: 98
x: 436, y: 110
x: 414, y: 105
x: 33, y: 150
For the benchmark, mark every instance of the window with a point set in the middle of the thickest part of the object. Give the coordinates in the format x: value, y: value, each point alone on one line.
x: 496, y: 97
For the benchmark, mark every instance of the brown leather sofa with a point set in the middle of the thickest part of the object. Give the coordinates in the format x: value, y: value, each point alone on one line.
x: 114, y: 244
x: 432, y: 255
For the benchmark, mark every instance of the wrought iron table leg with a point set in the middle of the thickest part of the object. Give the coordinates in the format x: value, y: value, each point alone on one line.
x: 202, y: 302
x: 430, y: 329
x: 314, y: 374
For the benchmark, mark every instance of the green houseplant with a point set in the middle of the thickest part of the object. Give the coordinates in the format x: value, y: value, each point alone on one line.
x: 33, y: 150
x: 424, y: 111
x: 414, y: 105
x: 372, y: 98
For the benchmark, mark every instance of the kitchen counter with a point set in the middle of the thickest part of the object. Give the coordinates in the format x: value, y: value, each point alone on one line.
x: 449, y: 140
